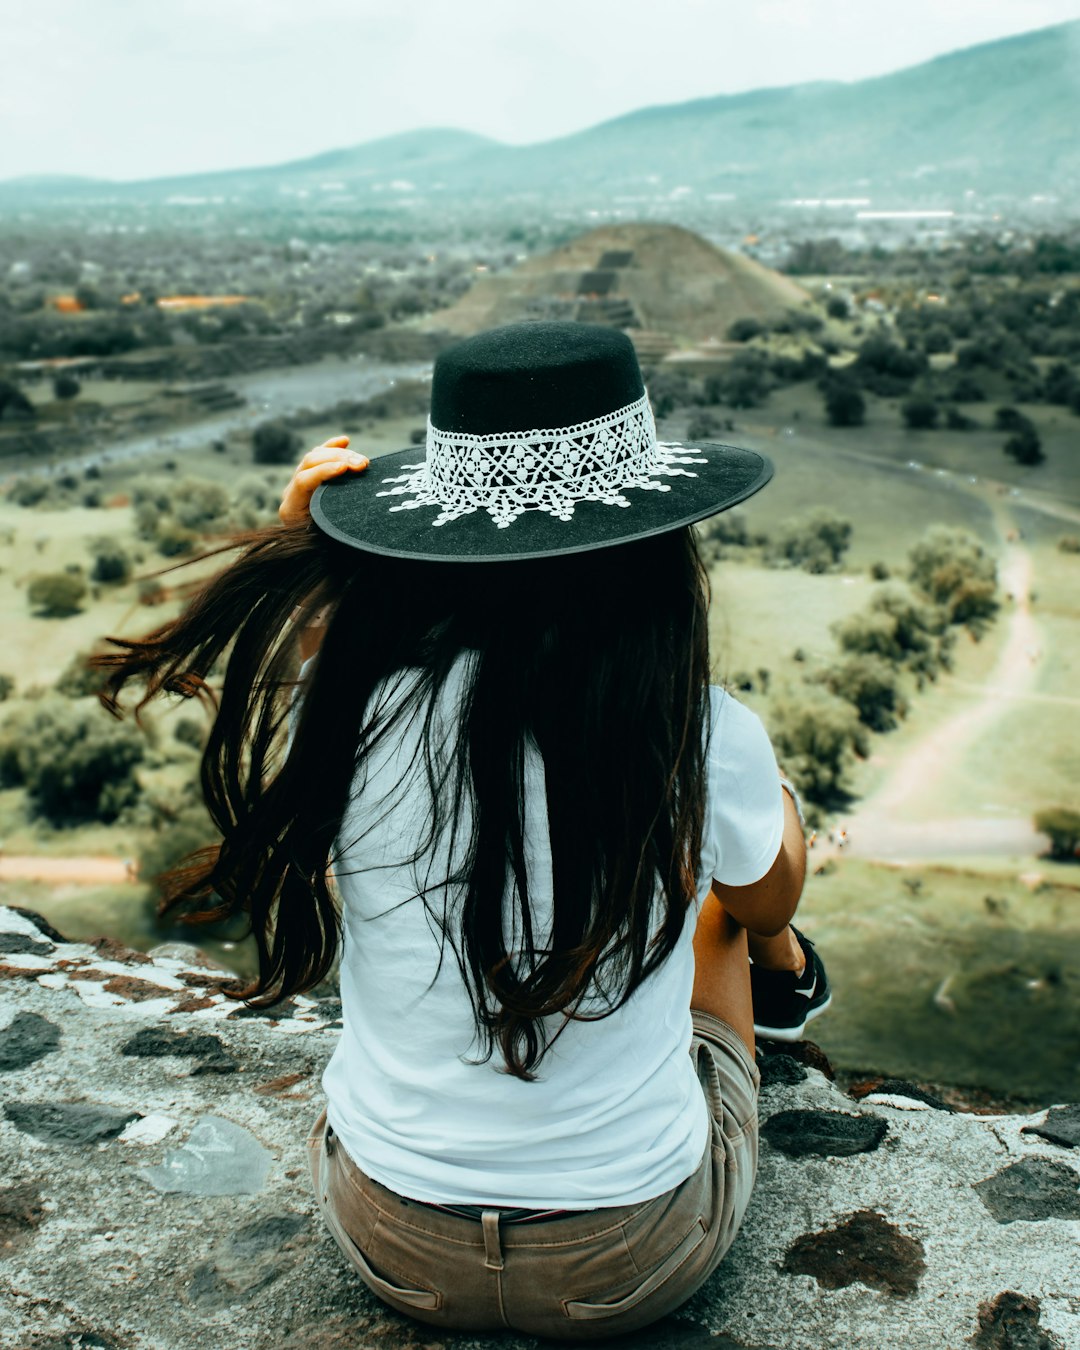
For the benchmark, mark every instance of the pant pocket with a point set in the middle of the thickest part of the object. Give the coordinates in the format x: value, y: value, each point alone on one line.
x: 397, y: 1295
x: 583, y: 1309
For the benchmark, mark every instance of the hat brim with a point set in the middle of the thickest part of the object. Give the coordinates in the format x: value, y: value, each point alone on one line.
x: 349, y: 510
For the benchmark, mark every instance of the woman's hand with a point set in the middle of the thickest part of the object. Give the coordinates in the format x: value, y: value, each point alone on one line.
x: 324, y: 462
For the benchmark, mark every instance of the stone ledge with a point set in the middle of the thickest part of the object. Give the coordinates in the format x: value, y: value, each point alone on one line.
x: 881, y: 1222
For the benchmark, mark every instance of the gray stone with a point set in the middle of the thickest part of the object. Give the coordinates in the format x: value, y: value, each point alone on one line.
x: 1011, y: 1322
x: 900, y: 1087
x: 14, y: 943
x: 823, y: 1133
x: 1030, y: 1190
x: 68, y: 1123
x: 154, y: 1041
x: 780, y: 1069
x: 1062, y: 1126
x: 864, y: 1249
x: 28, y: 1038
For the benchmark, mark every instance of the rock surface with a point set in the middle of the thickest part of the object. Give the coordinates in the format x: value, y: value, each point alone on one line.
x: 945, y: 1229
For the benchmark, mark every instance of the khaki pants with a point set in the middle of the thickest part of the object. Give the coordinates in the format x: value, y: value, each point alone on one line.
x: 585, y: 1275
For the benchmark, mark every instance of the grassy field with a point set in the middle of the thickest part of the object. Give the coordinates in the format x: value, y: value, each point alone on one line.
x: 951, y: 975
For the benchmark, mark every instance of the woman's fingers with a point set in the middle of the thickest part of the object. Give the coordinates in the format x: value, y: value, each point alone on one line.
x: 325, y: 461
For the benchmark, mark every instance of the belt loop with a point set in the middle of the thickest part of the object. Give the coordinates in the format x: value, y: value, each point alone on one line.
x: 493, y: 1257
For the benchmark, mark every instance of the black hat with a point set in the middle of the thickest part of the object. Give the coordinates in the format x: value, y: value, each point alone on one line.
x: 540, y: 441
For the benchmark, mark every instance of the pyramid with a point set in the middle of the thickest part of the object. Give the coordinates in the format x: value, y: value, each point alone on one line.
x: 664, y: 285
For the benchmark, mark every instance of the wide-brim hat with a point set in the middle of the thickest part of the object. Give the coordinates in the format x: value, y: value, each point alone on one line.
x: 540, y: 441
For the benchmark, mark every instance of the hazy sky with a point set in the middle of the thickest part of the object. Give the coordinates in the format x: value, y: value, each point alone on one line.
x: 143, y: 88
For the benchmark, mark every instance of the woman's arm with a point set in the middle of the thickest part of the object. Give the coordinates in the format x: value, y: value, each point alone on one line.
x: 766, y: 906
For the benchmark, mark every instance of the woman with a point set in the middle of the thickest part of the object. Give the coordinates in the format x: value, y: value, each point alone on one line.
x: 554, y: 848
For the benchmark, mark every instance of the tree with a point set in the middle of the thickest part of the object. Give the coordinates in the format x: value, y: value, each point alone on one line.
x: 1063, y: 827
x: 836, y: 307
x: 57, y: 595
x: 815, y: 543
x: 817, y: 738
x: 920, y: 413
x: 872, y: 686
x: 66, y: 386
x: 953, y: 569
x: 75, y: 764
x: 274, y: 443
x: 844, y: 404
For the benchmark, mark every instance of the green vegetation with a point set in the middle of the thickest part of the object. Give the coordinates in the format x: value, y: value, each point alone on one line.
x: 1063, y: 827
x: 56, y: 595
x: 74, y: 764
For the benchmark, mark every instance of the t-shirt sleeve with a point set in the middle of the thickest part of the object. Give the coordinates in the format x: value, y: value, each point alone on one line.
x: 744, y: 807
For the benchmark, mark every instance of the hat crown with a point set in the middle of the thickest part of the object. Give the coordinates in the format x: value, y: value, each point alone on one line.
x: 533, y: 375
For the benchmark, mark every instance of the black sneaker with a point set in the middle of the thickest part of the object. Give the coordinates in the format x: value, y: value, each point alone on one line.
x: 784, y: 1002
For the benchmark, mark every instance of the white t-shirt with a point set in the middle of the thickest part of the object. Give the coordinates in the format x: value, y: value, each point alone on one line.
x: 616, y: 1115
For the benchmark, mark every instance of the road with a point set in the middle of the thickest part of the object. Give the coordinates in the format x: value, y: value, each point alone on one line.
x: 269, y: 394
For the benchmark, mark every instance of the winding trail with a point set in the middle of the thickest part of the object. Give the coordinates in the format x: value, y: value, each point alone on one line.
x: 877, y: 827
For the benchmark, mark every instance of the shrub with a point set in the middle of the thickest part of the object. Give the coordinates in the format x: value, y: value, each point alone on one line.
x: 901, y: 628
x: 817, y: 737
x: 844, y: 404
x: 1069, y: 543
x: 955, y: 571
x: 704, y: 426
x: 78, y: 678
x: 872, y: 686
x: 274, y: 443
x: 66, y: 386
x: 112, y: 564
x: 1063, y: 828
x: 742, y: 330
x: 75, y: 763
x: 179, y: 833
x: 197, y: 503
x: 57, y: 595
x: 28, y: 491
x: 174, y: 539
x: 189, y: 731
x: 920, y: 413
x: 1024, y: 446
x: 815, y: 543
x: 836, y: 307
x: 7, y: 686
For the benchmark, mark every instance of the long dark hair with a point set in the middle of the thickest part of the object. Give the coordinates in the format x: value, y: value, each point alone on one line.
x: 599, y: 660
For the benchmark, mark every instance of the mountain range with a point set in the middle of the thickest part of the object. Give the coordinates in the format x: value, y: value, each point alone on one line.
x: 998, y: 119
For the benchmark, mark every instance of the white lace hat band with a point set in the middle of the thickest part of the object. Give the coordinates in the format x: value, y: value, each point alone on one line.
x: 545, y: 469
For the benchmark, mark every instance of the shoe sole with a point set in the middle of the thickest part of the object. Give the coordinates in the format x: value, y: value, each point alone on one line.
x: 791, y: 1033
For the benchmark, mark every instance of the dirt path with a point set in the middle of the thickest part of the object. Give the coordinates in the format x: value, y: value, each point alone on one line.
x: 86, y: 871
x: 877, y: 828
